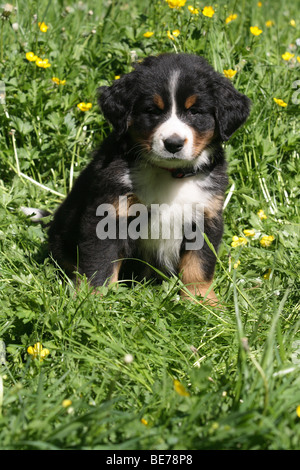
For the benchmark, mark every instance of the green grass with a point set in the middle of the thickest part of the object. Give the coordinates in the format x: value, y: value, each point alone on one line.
x: 241, y: 364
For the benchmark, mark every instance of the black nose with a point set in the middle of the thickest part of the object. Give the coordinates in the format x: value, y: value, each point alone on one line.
x: 174, y: 143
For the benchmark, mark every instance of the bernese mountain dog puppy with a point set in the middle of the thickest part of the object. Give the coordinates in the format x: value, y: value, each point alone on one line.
x: 162, y: 169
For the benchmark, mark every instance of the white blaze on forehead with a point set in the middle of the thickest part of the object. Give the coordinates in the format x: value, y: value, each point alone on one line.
x: 173, y: 125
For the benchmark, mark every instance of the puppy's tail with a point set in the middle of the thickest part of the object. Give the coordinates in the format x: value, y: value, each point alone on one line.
x: 36, y: 215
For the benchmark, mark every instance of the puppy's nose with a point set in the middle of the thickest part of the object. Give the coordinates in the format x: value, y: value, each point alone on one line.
x: 174, y: 143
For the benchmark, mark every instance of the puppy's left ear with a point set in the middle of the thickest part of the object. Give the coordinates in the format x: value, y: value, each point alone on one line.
x: 231, y: 107
x: 116, y: 102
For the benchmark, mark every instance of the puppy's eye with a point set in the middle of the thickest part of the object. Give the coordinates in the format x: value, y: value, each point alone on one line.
x: 194, y: 110
x: 153, y: 110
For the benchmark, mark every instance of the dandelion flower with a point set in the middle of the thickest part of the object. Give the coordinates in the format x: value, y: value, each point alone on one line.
x: 208, y: 11
x: 43, y: 27
x: 176, y: 3
x: 37, y: 351
x: 249, y: 232
x: 117, y: 77
x: 236, y: 265
x: 7, y: 10
x: 293, y: 23
x: 84, y: 106
x: 58, y: 81
x: 180, y: 389
x: 266, y: 240
x: 259, y: 4
x: 238, y: 241
x: 298, y: 58
x: 148, y: 34
x: 255, y: 30
x: 267, y: 274
x: 128, y: 358
x: 280, y: 102
x: 298, y: 411
x: 66, y: 403
x: 194, y: 11
x: 176, y: 33
x: 229, y: 73
x: 287, y: 56
x: 31, y: 56
x: 43, y: 63
x: 144, y: 421
x: 261, y: 214
x: 231, y: 18
x: 269, y: 23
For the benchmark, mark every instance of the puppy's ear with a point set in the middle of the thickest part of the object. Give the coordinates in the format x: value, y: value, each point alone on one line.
x: 116, y: 102
x: 231, y: 107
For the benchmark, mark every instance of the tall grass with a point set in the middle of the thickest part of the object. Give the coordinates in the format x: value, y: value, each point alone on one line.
x: 115, y: 358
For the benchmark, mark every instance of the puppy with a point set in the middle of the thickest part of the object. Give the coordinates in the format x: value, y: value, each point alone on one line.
x: 157, y: 182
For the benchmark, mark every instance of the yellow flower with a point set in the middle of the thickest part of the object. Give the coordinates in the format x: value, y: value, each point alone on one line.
x: 42, y: 63
x: 180, y: 389
x: 266, y: 240
x: 293, y: 23
x: 148, y: 34
x: 31, y: 56
x: 208, y: 11
x: 261, y: 214
x: 193, y: 10
x: 255, y: 30
x: 238, y: 241
x: 267, y: 275
x: 176, y: 3
x: 84, y: 106
x: 117, y: 77
x: 280, y: 102
x: 230, y: 18
x: 298, y: 411
x: 38, y: 351
x: 174, y: 33
x: 66, y: 403
x: 43, y: 27
x: 269, y: 23
x: 287, y: 56
x: 58, y: 81
x: 236, y: 264
x: 144, y: 421
x: 249, y: 232
x: 259, y: 4
x: 298, y: 58
x: 229, y: 73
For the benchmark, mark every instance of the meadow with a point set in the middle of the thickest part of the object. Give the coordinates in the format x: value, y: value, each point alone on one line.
x: 139, y: 368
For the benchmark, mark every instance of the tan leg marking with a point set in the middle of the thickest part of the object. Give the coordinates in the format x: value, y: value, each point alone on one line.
x: 116, y: 270
x: 194, y: 278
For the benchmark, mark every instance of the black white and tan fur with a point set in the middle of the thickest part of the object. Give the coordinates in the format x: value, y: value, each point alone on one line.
x: 170, y: 116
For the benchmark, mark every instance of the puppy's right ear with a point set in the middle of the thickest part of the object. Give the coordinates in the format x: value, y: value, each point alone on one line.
x: 116, y: 102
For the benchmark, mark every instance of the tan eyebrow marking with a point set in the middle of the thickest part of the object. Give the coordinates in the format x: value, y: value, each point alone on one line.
x: 159, y: 102
x: 190, y: 101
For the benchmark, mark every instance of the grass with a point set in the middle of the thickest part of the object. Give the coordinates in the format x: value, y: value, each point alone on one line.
x: 238, y: 367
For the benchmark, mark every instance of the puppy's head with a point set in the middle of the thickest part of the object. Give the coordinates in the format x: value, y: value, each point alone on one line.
x: 174, y: 106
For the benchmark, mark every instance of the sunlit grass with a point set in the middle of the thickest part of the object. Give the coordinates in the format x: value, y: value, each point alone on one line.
x: 138, y: 368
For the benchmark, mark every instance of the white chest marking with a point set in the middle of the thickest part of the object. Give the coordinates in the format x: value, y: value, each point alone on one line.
x: 176, y: 201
